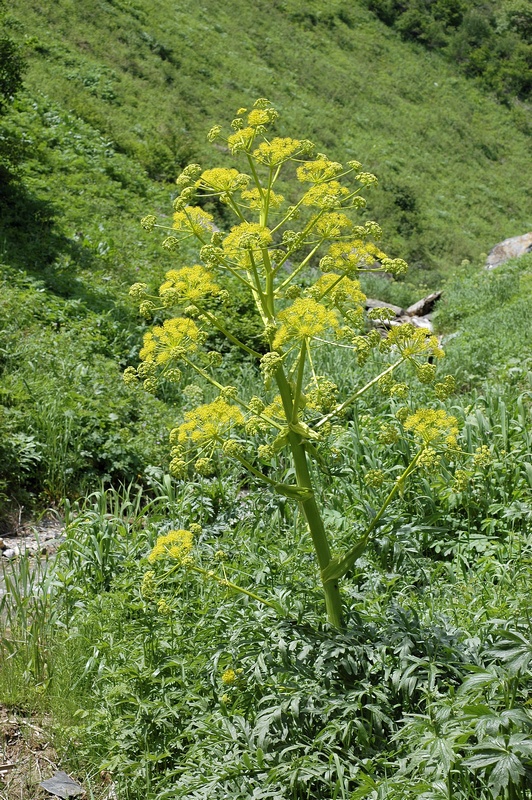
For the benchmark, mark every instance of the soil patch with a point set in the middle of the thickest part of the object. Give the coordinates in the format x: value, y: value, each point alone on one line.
x: 26, y: 756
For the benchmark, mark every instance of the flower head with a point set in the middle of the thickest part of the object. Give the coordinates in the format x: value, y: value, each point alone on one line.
x: 304, y: 319
x: 319, y: 171
x: 208, y: 423
x: 351, y: 256
x: 193, y: 219
x: 277, y: 151
x: 223, y: 180
x: 171, y: 340
x: 175, y: 545
x: 328, y: 194
x: 188, y: 285
x: 433, y: 426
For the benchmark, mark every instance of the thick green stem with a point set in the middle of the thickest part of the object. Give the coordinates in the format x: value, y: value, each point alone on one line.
x: 333, y: 601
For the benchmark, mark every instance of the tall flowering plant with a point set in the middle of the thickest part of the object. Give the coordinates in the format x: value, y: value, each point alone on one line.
x: 300, y: 264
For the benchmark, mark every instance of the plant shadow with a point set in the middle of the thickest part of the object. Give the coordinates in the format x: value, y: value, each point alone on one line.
x: 32, y: 243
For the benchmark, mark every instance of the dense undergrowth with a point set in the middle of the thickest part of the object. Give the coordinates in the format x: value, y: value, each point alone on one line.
x: 192, y: 690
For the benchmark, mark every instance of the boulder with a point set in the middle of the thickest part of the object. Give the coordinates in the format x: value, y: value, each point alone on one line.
x: 510, y: 248
x: 423, y: 306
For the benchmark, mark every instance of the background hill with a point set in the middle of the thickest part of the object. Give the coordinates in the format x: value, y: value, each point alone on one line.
x: 118, y: 97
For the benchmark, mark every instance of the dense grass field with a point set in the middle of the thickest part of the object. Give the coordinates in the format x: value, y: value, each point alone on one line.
x: 221, y: 677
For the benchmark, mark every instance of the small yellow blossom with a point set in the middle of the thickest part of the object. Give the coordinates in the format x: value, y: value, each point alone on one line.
x: 388, y: 434
x: 209, y: 422
x: 229, y: 676
x: 194, y: 220
x: 445, y: 388
x: 303, y: 319
x: 462, y: 479
x: 351, y: 256
x: 188, y: 284
x: 411, y: 341
x: 325, y: 195
x: 171, y: 340
x: 483, y: 457
x: 147, y: 587
x: 262, y: 116
x: 163, y: 608
x: 241, y: 140
x: 277, y: 151
x: 429, y: 459
x: 255, y: 199
x: 176, y: 545
x: 222, y: 180
x: 319, y: 171
x: 333, y: 224
x: 323, y: 396
x: 374, y: 478
x: 338, y: 289
x: 248, y: 235
x: 275, y: 408
x: 433, y: 425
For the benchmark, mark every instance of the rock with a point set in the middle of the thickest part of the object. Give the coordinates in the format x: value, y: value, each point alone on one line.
x: 420, y: 322
x: 510, y: 248
x: 62, y: 786
x: 11, y: 552
x: 423, y: 306
x: 370, y: 303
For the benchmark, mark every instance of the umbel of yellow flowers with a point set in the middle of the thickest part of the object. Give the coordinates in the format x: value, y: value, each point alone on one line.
x: 300, y: 263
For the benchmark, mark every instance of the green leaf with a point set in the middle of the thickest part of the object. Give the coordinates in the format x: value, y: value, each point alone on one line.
x: 303, y: 430
x: 293, y: 492
x: 339, y: 565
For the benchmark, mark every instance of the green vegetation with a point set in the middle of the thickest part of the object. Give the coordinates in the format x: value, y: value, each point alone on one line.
x: 190, y: 687
x: 490, y: 41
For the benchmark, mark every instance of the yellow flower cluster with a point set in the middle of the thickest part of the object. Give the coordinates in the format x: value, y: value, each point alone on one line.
x: 176, y: 545
x: 302, y: 320
x: 322, y: 396
x: 193, y: 219
x: 339, y: 289
x: 319, y: 171
x: 222, y: 180
x: 207, y: 423
x: 351, y: 256
x: 411, y: 341
x: 262, y: 116
x: 326, y: 195
x: 433, y: 426
x: 242, y: 139
x: 171, y: 340
x: 277, y: 151
x: 483, y: 457
x: 374, y: 478
x: 230, y: 676
x: 248, y: 235
x: 188, y: 285
x: 254, y: 198
x: 333, y: 224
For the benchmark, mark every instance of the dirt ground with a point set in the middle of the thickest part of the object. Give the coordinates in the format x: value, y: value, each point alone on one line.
x: 26, y: 757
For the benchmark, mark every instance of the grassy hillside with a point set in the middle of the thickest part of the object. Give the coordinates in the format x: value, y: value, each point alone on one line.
x: 118, y: 97
x: 151, y: 77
